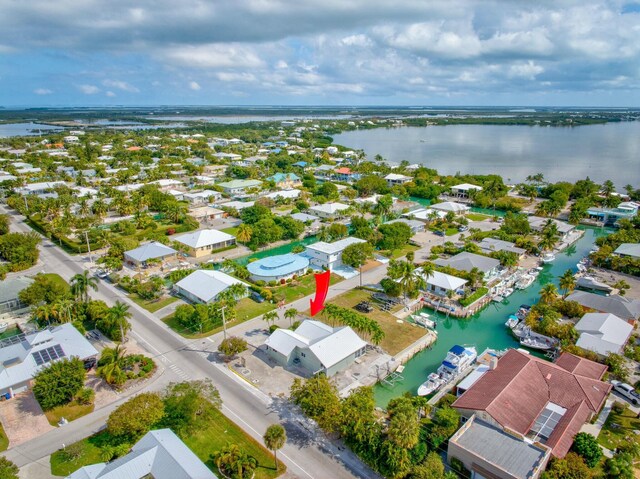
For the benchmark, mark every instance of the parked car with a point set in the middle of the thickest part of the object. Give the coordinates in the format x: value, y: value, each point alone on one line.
x: 627, y: 391
x: 257, y: 297
x: 462, y: 228
x: 102, y: 274
x: 439, y: 233
x: 364, y: 307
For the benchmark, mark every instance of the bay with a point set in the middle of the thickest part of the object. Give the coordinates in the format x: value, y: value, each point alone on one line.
x: 606, y: 151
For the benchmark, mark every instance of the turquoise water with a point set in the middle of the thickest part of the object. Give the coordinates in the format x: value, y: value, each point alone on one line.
x: 486, y: 329
x: 283, y: 249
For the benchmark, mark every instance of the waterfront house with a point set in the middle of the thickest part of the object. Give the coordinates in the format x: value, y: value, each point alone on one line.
x: 329, y: 210
x: 202, y: 197
x: 425, y: 215
x: 159, y: 454
x: 278, y: 268
x: 463, y: 190
x: 205, y: 242
x: 609, y: 216
x: 315, y: 347
x: 538, y: 223
x: 345, y: 174
x: 24, y: 355
x: 546, y: 402
x: 10, y: 294
x: 625, y: 308
x: 205, y: 285
x: 491, y: 245
x: 329, y: 255
x: 603, y: 333
x: 451, y: 206
x: 286, y: 181
x: 394, y: 179
x: 491, y: 452
x: 441, y: 283
x: 150, y: 251
x: 630, y: 250
x: 166, y: 184
x: 466, y: 261
x: 235, y: 187
x: 237, y: 205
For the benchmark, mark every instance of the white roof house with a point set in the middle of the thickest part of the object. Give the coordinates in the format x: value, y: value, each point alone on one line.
x: 159, y: 454
x: 603, y: 333
x: 284, y: 194
x: 202, y: 238
x: 447, y: 206
x: 201, y: 196
x: 444, y: 281
x: 148, y: 251
x: 316, y: 346
x: 335, y: 247
x: 22, y: 356
x: 38, y: 188
x: 465, y: 188
x: 328, y: 210
x: 396, y: 179
x: 425, y: 214
x: 204, y: 286
x: 466, y: 261
x: 628, y: 249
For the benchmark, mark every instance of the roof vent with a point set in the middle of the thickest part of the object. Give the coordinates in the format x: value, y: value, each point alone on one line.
x: 548, y: 376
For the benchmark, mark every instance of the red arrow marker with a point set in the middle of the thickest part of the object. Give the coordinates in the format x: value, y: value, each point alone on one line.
x: 322, y: 288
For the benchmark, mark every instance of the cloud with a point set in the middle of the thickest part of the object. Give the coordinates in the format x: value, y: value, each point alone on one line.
x: 120, y: 85
x: 212, y: 56
x: 195, y: 86
x: 88, y: 89
x: 42, y: 91
x: 110, y: 94
x: 528, y: 70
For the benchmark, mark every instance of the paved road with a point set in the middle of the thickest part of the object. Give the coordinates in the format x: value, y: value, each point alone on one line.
x: 308, y: 454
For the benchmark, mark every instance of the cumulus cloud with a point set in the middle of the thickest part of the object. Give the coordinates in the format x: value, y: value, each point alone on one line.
x: 120, y: 85
x: 194, y: 85
x: 42, y: 91
x: 88, y: 89
x: 110, y: 94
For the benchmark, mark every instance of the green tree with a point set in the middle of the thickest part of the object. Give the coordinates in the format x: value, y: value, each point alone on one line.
x: 45, y: 288
x: 586, y: 445
x: 572, y: 466
x: 275, y: 438
x: 410, y: 280
x: 567, y: 283
x: 394, y: 235
x: 548, y: 293
x: 617, y: 366
x: 291, y: 314
x: 318, y: 398
x: 8, y: 470
x: 80, y: 284
x: 356, y: 255
x: 235, y: 463
x: 136, y: 417
x: 244, y: 233
x: 59, y: 382
x: 118, y: 323
x: 431, y: 468
x: 404, y: 423
x: 4, y: 224
x: 111, y: 364
x: 188, y: 403
x: 270, y: 317
x: 232, y: 345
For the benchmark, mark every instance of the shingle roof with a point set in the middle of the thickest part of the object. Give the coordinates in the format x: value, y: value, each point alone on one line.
x: 466, y: 261
x: 622, y: 307
x: 201, y: 238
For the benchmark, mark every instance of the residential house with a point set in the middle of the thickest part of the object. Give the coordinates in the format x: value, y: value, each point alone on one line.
x: 204, y: 285
x: 206, y: 213
x: 631, y: 250
x: 202, y: 197
x: 466, y: 261
x: 237, y: 205
x: 215, y: 170
x: 425, y: 215
x: 9, y: 293
x: 315, y: 347
x: 24, y: 355
x: 625, y: 308
x: 149, y: 251
x: 159, y: 454
x: 39, y: 188
x: 546, y: 402
x: 603, y: 333
x: 609, y: 216
x: 451, y: 206
x: 204, y: 242
x: 324, y: 171
x: 394, y: 179
x: 415, y: 225
x: 491, y: 245
x: 286, y: 181
x: 329, y: 210
x: 441, y: 283
x: 538, y: 223
x: 166, y: 184
x: 284, y: 195
x: 463, y: 190
x: 278, y: 268
x: 345, y: 174
x: 235, y: 187
x: 491, y: 452
x: 228, y: 156
x: 329, y: 255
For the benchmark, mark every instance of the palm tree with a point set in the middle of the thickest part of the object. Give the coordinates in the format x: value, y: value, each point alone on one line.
x: 244, y: 233
x: 270, y: 316
x: 80, y: 284
x: 118, y: 318
x: 548, y: 293
x: 607, y: 188
x: 234, y: 462
x: 291, y: 314
x: 44, y: 313
x: 61, y: 310
x: 111, y: 363
x: 409, y: 279
x: 233, y: 293
x: 567, y: 283
x: 274, y: 438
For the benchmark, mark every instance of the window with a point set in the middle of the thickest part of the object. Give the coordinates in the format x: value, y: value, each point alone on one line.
x: 546, y: 422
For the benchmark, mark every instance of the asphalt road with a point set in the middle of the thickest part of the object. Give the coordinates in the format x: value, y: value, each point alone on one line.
x: 307, y: 454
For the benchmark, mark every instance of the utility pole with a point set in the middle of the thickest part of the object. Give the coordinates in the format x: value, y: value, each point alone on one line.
x: 26, y: 205
x: 86, y: 235
x: 224, y: 323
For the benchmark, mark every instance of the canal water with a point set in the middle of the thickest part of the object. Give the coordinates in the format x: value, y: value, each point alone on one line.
x: 485, y: 329
x: 282, y: 249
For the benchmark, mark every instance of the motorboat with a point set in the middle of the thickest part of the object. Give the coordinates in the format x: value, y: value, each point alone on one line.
x: 512, y: 321
x: 508, y: 292
x: 526, y: 281
x: 548, y: 257
x: 590, y: 283
x: 457, y: 361
x: 424, y: 320
x: 523, y: 311
x: 3, y: 327
x: 432, y: 384
x: 497, y: 299
x: 534, y: 342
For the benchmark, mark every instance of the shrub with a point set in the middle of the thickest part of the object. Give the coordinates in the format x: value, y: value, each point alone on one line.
x: 273, y: 327
x: 85, y: 396
x: 619, y: 407
x: 232, y: 346
x: 587, y: 446
x: 458, y: 466
x: 72, y: 452
x: 59, y: 382
x: 171, y: 231
x: 137, y: 416
x: 8, y: 470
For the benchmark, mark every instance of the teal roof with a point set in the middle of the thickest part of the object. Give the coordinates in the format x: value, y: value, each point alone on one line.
x: 278, y: 177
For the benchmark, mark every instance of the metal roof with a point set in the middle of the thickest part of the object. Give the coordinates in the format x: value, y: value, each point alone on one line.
x: 603, y: 333
x: 622, y: 307
x: 198, y: 239
x: 445, y: 281
x: 466, y: 261
x: 281, y: 265
x: 150, y: 250
x: 336, y: 247
x: 629, y: 249
x: 206, y: 285
x: 11, y: 287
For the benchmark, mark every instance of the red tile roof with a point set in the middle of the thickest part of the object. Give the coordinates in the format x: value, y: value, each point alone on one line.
x: 517, y: 391
x: 583, y: 367
x: 561, y: 439
x: 344, y: 171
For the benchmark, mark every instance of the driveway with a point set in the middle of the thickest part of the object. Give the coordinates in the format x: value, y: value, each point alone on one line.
x: 23, y: 419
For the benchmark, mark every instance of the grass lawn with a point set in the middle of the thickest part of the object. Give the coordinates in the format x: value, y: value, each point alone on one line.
x: 232, y: 231
x: 69, y: 411
x: 210, y: 437
x: 4, y: 440
x: 56, y: 278
x: 398, y: 336
x: 477, y: 217
x: 619, y: 428
x: 399, y: 253
x: 152, y: 305
x: 451, y: 231
x: 301, y: 287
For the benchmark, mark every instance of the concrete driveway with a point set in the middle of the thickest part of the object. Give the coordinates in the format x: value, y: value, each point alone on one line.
x: 23, y: 419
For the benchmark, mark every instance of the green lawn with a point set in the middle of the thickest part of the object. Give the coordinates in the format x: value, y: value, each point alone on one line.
x: 69, y: 411
x: 232, y: 231
x: 210, y: 437
x: 56, y: 278
x: 619, y: 428
x: 477, y: 217
x: 451, y: 231
x: 300, y: 288
x: 152, y: 305
x: 4, y: 440
x: 399, y: 253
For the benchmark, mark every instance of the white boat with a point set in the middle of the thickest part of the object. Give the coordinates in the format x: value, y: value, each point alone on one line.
x: 537, y: 343
x: 526, y: 281
x: 3, y: 327
x: 424, y: 320
x: 548, y: 257
x: 508, y: 292
x: 512, y: 321
x: 497, y: 299
x: 432, y: 384
x: 457, y: 361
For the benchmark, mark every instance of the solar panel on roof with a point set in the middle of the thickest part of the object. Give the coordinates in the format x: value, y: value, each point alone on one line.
x: 59, y: 351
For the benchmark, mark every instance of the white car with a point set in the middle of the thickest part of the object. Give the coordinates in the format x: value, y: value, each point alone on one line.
x: 627, y: 391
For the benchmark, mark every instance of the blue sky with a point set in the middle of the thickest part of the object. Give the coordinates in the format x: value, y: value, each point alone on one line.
x: 320, y: 52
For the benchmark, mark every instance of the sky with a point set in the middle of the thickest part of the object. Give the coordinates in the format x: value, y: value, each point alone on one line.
x: 320, y: 52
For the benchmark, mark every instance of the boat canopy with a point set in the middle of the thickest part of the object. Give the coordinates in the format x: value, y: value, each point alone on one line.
x: 457, y: 350
x: 448, y: 365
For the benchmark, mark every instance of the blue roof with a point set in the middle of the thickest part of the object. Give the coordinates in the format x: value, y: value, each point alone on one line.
x: 448, y: 365
x: 457, y: 350
x: 281, y: 265
x: 278, y: 177
x: 300, y: 163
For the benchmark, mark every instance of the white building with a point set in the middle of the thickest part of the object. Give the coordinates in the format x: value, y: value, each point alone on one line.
x: 440, y: 283
x: 329, y: 210
x: 329, y: 255
x: 204, y: 285
x: 462, y: 191
x: 603, y: 333
x: 152, y: 250
x: 394, y: 179
x: 451, y: 206
x: 204, y: 242
x: 202, y: 197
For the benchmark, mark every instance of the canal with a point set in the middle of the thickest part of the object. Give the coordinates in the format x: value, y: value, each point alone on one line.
x: 485, y: 329
x: 282, y: 249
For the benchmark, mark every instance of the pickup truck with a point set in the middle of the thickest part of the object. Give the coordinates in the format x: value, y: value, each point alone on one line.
x: 627, y: 391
